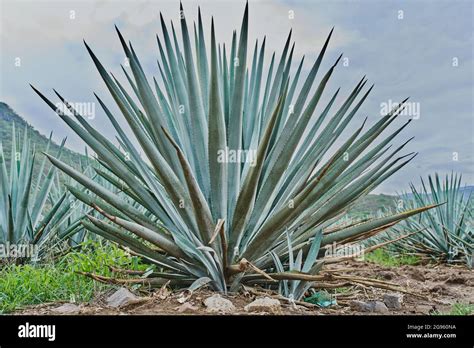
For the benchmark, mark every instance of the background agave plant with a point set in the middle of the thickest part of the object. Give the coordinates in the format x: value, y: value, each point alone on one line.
x: 67, y: 226
x: 204, y: 214
x: 33, y: 209
x: 446, y: 232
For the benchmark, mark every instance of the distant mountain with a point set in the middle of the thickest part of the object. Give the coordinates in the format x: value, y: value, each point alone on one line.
x: 467, y: 190
x: 372, y: 204
x: 8, y: 117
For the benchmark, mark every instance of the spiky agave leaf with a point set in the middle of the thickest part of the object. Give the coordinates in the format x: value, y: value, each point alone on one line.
x: 206, y: 115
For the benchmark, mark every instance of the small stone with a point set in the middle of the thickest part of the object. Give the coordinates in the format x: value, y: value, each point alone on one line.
x: 379, y: 307
x: 122, y: 297
x: 263, y: 304
x: 186, y: 308
x: 360, y: 306
x: 371, y: 306
x: 216, y: 303
x: 393, y: 301
x: 67, y: 308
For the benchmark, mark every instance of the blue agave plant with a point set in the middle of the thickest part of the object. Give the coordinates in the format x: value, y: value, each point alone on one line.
x: 206, y: 215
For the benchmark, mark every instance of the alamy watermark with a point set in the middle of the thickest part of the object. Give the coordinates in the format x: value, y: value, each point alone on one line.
x: 354, y: 250
x: 85, y: 109
x: 411, y: 109
x: 237, y: 156
x: 11, y: 250
x: 28, y: 330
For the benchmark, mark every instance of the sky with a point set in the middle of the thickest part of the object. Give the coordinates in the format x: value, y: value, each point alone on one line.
x: 417, y: 49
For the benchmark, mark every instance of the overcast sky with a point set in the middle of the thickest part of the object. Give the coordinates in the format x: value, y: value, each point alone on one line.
x: 421, y: 49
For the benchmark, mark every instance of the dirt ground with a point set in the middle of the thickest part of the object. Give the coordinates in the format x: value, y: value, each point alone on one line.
x: 432, y: 288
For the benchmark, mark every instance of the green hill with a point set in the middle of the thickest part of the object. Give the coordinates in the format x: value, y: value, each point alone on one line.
x: 371, y: 204
x: 8, y: 117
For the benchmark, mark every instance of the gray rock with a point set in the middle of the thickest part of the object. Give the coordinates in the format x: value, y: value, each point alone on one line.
x: 360, y: 306
x: 371, y: 306
x: 263, y: 304
x: 122, y: 297
x: 217, y: 304
x: 67, y: 308
x: 379, y: 307
x: 393, y: 301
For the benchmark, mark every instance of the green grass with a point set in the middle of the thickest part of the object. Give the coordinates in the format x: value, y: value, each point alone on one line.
x: 462, y: 309
x: 22, y: 285
x: 458, y: 309
x: 384, y: 258
x: 342, y: 290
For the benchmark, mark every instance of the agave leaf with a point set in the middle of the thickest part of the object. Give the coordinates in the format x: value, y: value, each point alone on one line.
x: 198, y: 119
x: 199, y: 283
x: 277, y: 83
x: 313, y: 252
x: 108, y: 196
x: 280, y: 269
x: 370, y: 225
x: 157, y: 239
x: 234, y: 138
x: 22, y: 212
x: 39, y: 230
x: 11, y: 222
x: 217, y: 140
x: 114, y: 233
x: 202, y: 211
x: 39, y: 201
x: 249, y: 187
x: 41, y: 171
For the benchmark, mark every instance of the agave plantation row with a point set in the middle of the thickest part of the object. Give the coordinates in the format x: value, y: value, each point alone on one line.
x: 225, y: 223
x: 446, y: 232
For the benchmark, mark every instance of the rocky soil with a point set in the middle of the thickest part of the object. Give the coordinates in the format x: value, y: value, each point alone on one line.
x: 430, y: 289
